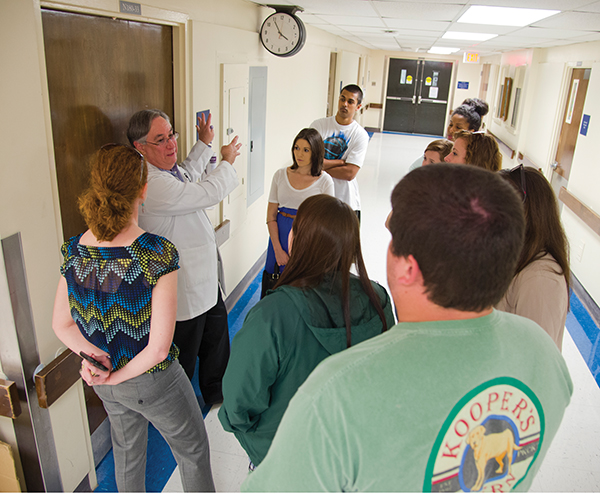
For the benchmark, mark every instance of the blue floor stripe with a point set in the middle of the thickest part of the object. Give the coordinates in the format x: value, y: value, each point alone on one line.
x: 160, y: 462
x: 585, y: 334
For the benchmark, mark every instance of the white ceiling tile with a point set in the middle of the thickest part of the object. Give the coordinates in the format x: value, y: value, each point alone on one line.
x: 586, y: 38
x: 572, y: 20
x: 418, y: 33
x: 311, y: 19
x: 562, y: 5
x: 418, y: 10
x: 422, y: 41
x: 349, y: 20
x: 330, y: 28
x: 592, y: 7
x: 540, y: 32
x: 343, y: 7
x: 420, y: 25
x: 554, y: 42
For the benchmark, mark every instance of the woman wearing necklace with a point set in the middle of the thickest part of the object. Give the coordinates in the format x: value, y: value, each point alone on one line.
x: 290, y: 186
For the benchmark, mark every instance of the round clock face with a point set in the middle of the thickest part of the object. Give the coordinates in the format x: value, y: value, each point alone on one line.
x: 282, y: 34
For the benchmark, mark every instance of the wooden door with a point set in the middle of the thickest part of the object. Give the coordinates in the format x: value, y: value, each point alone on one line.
x: 100, y: 71
x: 571, y: 121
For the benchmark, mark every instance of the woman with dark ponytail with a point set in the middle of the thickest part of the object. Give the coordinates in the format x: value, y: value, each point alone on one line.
x: 318, y: 308
x: 115, y: 306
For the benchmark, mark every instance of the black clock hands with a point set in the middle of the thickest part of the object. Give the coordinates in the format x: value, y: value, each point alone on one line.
x: 281, y: 35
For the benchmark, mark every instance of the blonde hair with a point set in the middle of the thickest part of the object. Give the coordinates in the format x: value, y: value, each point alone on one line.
x: 117, y: 177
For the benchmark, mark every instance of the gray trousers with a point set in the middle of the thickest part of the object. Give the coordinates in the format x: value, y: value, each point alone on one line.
x: 167, y: 400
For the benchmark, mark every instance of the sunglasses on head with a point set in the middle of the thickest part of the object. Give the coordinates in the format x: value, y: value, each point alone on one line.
x: 517, y: 175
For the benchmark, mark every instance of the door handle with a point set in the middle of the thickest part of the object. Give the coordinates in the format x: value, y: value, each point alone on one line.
x: 420, y: 99
x: 554, y: 165
x: 414, y: 99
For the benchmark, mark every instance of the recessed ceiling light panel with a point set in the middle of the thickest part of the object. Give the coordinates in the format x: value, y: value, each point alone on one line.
x: 504, y: 16
x: 442, y: 50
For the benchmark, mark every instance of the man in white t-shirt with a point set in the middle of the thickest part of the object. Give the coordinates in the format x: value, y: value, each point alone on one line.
x: 345, y: 146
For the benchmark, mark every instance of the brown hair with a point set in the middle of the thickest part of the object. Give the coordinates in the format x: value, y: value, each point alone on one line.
x: 118, y: 175
x: 464, y: 226
x: 482, y: 150
x: 317, y: 150
x: 440, y: 146
x: 327, y: 242
x: 544, y: 233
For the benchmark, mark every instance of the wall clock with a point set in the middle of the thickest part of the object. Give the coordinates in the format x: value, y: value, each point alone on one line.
x: 282, y: 33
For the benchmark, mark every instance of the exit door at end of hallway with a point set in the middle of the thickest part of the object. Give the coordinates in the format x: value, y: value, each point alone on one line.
x: 417, y: 96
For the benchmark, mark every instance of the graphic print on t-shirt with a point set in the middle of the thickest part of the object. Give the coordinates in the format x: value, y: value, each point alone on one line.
x: 489, y: 441
x: 335, y: 146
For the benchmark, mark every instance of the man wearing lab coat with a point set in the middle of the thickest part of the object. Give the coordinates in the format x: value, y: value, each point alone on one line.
x: 175, y: 208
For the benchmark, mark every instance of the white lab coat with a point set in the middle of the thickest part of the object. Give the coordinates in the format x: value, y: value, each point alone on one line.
x: 175, y: 210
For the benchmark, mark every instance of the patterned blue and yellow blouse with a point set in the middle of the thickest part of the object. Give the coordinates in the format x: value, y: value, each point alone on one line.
x: 110, y: 293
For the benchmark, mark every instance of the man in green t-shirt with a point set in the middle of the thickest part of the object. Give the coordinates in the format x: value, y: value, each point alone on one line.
x: 457, y: 396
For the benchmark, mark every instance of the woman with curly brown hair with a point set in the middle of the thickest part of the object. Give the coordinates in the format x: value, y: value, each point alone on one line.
x: 477, y: 149
x: 116, y: 304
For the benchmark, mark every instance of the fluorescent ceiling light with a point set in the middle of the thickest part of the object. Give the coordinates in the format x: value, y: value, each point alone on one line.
x: 468, y: 36
x: 504, y: 16
x: 442, y: 50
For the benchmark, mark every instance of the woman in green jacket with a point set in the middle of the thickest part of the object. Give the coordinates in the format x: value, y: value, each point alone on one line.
x: 318, y: 308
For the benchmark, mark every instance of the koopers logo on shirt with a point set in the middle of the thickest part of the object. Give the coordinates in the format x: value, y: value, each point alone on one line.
x: 489, y: 441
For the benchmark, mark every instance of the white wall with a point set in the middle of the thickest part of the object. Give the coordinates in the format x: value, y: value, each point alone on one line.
x: 583, y: 183
x: 536, y: 137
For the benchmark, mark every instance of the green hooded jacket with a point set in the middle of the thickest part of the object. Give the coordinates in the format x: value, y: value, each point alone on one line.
x: 284, y: 337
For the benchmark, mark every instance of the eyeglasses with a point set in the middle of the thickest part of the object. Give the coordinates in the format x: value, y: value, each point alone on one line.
x: 517, y: 176
x: 113, y: 145
x: 163, y: 142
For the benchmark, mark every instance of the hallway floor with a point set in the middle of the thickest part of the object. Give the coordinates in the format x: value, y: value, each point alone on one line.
x: 573, y: 462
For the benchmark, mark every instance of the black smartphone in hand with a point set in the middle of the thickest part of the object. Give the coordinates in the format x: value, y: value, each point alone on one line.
x: 93, y: 361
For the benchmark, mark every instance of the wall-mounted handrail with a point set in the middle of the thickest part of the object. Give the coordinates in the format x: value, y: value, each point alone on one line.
x: 583, y: 212
x: 503, y: 146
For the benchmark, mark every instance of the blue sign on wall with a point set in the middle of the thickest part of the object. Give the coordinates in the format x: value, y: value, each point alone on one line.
x: 463, y: 84
x: 585, y: 123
